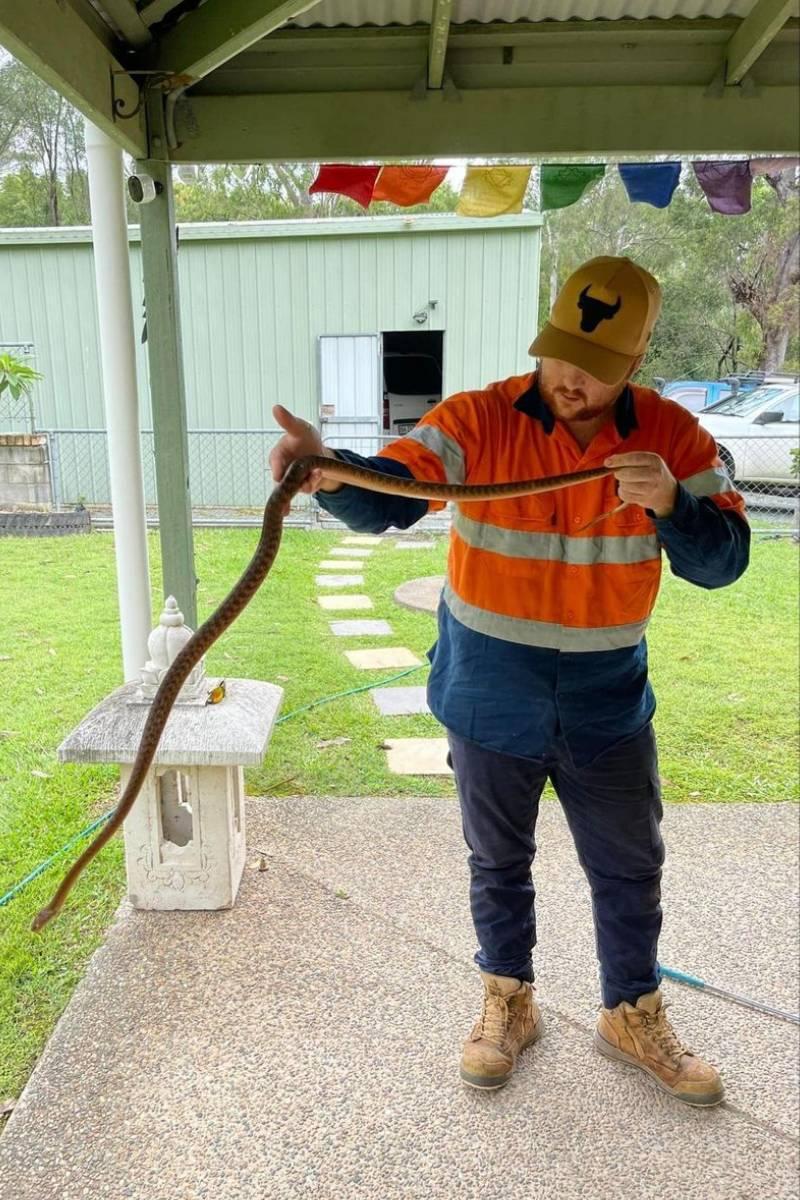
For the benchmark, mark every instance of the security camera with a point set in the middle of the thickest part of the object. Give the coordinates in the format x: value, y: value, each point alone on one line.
x: 143, y: 188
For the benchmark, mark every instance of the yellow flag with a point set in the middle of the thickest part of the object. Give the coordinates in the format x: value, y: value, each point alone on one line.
x: 493, y: 191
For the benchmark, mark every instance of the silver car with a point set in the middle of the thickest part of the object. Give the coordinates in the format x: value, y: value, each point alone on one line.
x: 756, y: 433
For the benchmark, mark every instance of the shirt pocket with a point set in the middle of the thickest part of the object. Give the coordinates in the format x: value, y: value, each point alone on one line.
x: 536, y: 511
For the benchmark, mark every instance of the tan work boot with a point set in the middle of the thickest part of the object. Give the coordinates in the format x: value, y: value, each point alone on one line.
x: 643, y: 1037
x: 509, y: 1022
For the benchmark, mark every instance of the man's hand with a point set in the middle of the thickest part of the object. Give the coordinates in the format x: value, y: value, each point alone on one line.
x: 645, y: 479
x: 300, y: 439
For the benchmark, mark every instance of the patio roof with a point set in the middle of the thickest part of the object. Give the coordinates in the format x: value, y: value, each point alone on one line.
x: 249, y: 80
x: 174, y: 81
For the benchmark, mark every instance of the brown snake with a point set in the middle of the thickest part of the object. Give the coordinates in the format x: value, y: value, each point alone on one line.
x: 249, y: 583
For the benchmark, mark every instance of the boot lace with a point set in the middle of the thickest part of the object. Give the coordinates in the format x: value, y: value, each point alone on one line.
x: 657, y: 1027
x: 494, y: 1019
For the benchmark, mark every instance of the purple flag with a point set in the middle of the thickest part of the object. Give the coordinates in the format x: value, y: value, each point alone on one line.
x: 651, y: 183
x: 727, y: 186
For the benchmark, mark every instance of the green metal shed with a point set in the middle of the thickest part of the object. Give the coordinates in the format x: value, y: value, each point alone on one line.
x: 305, y: 312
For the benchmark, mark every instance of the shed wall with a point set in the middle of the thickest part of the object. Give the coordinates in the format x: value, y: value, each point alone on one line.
x: 254, y: 301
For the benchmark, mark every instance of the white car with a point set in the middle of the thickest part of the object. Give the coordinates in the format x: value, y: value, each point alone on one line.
x: 756, y: 432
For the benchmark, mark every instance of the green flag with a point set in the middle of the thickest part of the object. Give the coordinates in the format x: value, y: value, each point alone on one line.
x: 564, y: 183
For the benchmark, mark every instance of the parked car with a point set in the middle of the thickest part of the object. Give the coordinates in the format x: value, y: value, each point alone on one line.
x: 756, y: 431
x: 700, y: 394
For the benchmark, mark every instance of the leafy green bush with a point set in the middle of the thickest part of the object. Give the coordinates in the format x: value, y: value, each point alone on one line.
x: 16, y: 382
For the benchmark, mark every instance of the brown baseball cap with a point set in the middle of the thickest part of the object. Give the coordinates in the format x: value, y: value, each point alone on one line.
x: 603, y: 318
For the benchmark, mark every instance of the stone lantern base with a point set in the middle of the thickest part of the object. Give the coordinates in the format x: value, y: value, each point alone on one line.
x: 185, y: 835
x: 185, y: 838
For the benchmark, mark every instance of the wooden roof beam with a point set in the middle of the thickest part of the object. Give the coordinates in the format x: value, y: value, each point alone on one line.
x: 764, y: 21
x: 214, y: 33
x: 437, y: 43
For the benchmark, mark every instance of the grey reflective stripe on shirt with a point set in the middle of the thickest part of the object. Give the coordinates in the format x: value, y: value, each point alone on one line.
x: 557, y: 547
x: 445, y: 449
x: 712, y: 482
x: 542, y: 633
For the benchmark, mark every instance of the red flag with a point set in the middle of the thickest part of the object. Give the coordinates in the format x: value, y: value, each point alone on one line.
x: 356, y: 182
x: 408, y: 185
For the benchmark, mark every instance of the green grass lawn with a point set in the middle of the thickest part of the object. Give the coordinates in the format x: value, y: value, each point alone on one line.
x: 724, y: 665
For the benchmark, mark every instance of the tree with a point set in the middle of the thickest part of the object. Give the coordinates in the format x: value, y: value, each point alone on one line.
x: 10, y: 114
x: 729, y: 283
x: 44, y: 141
x: 766, y: 279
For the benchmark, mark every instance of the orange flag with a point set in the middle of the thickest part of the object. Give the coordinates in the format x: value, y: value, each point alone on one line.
x: 408, y: 185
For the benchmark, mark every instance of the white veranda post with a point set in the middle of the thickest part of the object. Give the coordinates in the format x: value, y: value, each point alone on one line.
x: 118, y: 357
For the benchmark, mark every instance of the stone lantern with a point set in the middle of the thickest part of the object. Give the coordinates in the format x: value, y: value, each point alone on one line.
x: 185, y: 835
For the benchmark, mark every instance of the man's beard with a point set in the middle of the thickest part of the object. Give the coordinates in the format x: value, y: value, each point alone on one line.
x: 557, y: 399
x: 589, y: 414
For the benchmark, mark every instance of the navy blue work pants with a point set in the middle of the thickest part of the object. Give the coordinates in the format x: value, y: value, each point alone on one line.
x: 613, y: 809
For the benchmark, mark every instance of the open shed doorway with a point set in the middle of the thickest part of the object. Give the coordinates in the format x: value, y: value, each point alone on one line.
x: 411, y: 370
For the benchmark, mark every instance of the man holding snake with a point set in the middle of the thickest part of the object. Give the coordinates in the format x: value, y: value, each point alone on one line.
x: 540, y: 667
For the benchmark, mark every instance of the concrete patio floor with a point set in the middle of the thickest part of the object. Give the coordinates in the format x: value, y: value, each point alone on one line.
x: 307, y: 1041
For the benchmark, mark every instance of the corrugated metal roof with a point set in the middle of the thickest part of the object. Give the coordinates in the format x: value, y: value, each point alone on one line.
x: 412, y: 12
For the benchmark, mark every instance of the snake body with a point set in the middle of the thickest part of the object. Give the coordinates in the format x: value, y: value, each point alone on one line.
x: 246, y: 587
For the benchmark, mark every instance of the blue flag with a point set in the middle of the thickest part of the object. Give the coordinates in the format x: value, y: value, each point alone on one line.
x: 651, y: 183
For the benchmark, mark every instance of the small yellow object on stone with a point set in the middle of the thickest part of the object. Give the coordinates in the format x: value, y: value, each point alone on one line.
x: 217, y: 693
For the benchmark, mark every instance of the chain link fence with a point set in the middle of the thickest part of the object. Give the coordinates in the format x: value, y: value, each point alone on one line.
x: 230, y: 479
x: 17, y: 413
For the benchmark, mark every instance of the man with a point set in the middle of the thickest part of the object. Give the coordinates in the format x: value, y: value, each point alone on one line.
x: 540, y: 668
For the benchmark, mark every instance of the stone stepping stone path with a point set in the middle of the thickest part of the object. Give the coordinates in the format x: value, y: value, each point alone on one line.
x: 400, y: 701
x: 405, y: 756
x: 382, y: 658
x: 417, y: 756
x: 361, y: 628
x: 339, y: 580
x: 344, y: 602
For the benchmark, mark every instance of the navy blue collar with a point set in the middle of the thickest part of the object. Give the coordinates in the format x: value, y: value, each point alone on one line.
x: 532, y: 404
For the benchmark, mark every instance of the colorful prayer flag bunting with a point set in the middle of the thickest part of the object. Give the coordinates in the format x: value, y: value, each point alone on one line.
x: 346, y: 180
x: 493, y: 191
x: 727, y: 186
x: 564, y: 183
x: 650, y: 183
x: 408, y: 185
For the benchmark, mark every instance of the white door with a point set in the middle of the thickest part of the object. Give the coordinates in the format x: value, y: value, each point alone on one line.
x: 351, y: 391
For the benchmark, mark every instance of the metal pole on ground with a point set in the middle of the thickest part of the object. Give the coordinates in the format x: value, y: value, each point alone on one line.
x: 118, y: 357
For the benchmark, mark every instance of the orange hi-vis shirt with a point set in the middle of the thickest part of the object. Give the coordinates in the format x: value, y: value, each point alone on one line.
x: 525, y: 570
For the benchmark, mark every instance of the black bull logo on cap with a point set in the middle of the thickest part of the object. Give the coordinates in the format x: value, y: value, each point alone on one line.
x: 594, y: 311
